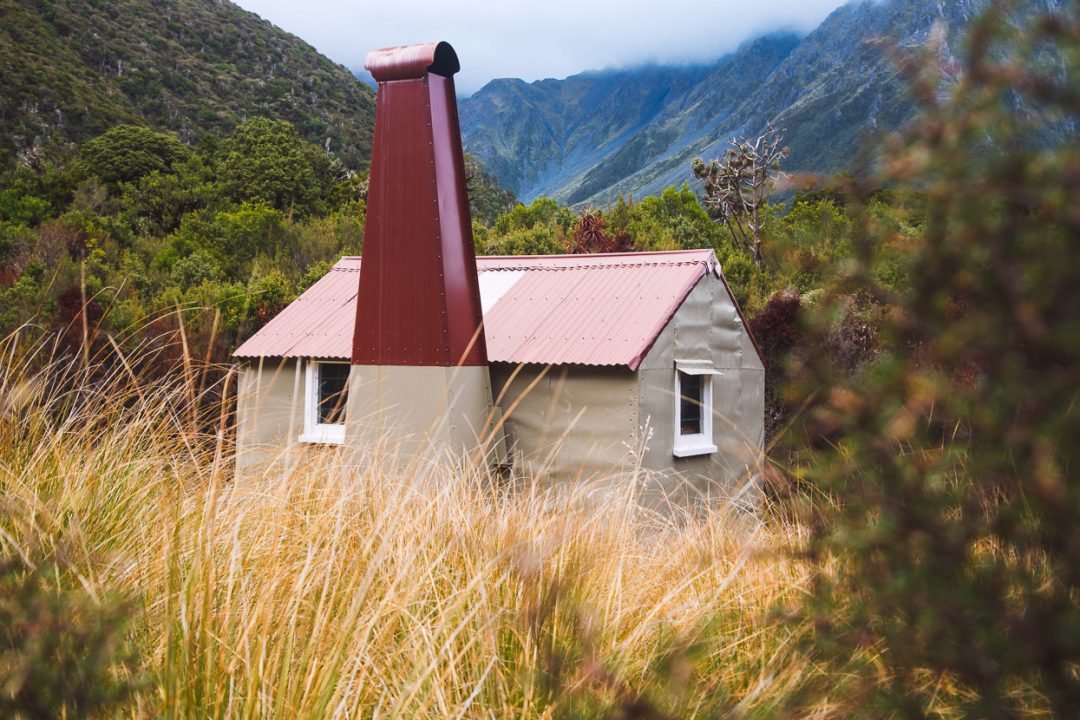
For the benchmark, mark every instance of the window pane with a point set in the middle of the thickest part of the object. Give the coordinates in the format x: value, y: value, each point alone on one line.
x: 690, y: 405
x: 332, y: 379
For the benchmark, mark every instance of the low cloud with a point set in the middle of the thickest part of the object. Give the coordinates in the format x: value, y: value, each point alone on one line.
x: 537, y: 40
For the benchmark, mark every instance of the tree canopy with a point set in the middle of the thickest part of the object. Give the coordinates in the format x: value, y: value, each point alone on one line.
x: 266, y: 160
x: 127, y: 153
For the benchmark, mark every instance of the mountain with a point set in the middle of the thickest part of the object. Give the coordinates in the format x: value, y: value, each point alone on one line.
x: 70, y: 69
x: 592, y: 137
x: 542, y: 134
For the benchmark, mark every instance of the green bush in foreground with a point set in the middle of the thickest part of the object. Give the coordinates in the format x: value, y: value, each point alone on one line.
x: 951, y: 462
x: 61, y: 650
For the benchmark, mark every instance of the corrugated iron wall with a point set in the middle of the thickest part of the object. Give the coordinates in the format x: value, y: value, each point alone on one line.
x: 706, y: 327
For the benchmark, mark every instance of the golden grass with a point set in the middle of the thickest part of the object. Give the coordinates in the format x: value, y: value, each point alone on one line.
x: 362, y: 588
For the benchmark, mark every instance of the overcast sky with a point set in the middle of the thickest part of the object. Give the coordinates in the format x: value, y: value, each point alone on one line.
x: 533, y: 40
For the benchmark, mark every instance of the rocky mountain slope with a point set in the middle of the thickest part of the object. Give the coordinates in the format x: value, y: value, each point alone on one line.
x: 69, y: 69
x: 593, y: 137
x: 543, y: 134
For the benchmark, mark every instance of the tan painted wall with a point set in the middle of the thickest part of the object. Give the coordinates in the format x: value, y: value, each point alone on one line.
x: 574, y: 423
x: 385, y: 405
x: 706, y: 327
x: 419, y: 409
x: 269, y: 411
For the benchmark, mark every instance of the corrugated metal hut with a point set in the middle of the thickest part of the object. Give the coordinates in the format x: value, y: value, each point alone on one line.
x: 593, y: 359
x: 595, y: 363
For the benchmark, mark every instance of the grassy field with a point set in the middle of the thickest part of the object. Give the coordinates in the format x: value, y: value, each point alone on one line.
x: 352, y: 588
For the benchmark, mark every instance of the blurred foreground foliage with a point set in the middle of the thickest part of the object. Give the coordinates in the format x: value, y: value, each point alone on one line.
x: 63, y: 651
x: 947, y: 503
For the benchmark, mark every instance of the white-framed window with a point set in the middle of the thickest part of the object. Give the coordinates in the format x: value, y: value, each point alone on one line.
x: 325, y: 396
x: 693, y: 409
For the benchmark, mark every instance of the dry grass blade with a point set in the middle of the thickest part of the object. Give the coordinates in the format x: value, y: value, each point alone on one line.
x: 342, y: 587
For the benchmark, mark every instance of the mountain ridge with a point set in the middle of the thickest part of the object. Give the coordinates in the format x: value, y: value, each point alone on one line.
x: 829, y: 90
x: 71, y: 69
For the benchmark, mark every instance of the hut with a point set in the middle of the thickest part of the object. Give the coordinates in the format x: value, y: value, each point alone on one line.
x: 561, y: 366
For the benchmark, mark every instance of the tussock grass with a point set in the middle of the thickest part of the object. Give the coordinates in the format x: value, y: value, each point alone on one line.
x: 360, y: 587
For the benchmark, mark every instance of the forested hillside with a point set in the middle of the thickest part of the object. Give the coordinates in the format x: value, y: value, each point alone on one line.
x: 137, y: 226
x: 139, y: 236
x: 71, y: 69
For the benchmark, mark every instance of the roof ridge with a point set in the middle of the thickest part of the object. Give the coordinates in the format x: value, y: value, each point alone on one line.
x: 636, y: 258
x: 592, y: 266
x: 625, y: 253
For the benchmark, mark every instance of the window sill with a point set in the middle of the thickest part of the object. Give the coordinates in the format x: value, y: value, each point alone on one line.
x: 691, y: 450
x: 328, y: 435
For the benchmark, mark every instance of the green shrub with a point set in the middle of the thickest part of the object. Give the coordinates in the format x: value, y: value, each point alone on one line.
x: 948, y: 548
x: 195, y: 269
x: 62, y: 651
x: 266, y: 161
x: 777, y: 331
x: 126, y: 153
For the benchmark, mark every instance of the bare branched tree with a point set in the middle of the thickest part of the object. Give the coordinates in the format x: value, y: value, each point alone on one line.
x: 737, y: 186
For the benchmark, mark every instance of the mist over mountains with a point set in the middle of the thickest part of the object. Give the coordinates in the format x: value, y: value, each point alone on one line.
x: 69, y: 70
x: 598, y: 135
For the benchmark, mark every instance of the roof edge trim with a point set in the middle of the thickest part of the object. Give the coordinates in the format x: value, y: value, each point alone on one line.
x: 655, y: 332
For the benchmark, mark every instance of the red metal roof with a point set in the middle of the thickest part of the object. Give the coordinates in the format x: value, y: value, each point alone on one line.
x: 319, y: 323
x: 557, y: 309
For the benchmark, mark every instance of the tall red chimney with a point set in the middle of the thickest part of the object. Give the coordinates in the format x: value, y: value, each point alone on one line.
x: 419, y: 301
x: 419, y: 357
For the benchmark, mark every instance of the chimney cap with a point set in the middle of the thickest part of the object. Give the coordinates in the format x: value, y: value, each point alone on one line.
x: 406, y: 62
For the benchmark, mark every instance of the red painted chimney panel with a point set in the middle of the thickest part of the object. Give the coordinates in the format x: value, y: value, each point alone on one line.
x: 458, y: 251
x: 419, y: 301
